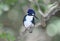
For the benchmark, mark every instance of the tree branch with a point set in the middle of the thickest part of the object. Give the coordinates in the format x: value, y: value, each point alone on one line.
x: 50, y: 9
x: 53, y: 6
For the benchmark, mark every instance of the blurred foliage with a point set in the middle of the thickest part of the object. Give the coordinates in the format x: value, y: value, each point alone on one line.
x: 23, y: 3
x: 1, y: 25
x: 53, y: 27
x: 40, y: 1
x: 1, y: 12
x: 3, y: 7
x: 35, y: 7
x: 56, y: 38
x: 10, y: 2
x: 7, y: 36
x: 13, y: 15
x: 42, y: 5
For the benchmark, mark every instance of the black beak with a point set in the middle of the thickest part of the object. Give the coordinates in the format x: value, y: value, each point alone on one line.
x: 36, y: 17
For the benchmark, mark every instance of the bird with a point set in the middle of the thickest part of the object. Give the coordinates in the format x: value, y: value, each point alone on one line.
x: 29, y: 20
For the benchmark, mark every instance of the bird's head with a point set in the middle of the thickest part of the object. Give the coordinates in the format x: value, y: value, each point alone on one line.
x: 31, y: 12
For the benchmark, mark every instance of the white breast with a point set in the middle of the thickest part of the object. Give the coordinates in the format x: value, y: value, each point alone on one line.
x: 28, y: 22
x: 29, y: 18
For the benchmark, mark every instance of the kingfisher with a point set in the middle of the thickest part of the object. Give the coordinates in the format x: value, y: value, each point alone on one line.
x: 29, y: 20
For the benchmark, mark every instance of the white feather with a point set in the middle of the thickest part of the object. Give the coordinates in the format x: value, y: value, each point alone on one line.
x: 28, y: 22
x: 29, y: 18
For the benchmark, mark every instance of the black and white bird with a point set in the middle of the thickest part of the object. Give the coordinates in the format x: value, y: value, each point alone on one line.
x: 29, y: 20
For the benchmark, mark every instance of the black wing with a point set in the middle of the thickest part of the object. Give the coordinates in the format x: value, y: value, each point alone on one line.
x: 33, y: 21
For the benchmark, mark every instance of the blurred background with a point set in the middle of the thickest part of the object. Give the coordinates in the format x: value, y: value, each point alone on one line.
x: 11, y: 16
